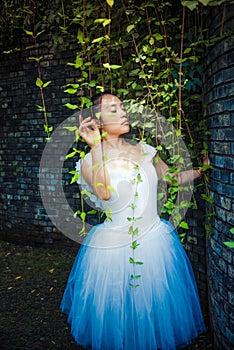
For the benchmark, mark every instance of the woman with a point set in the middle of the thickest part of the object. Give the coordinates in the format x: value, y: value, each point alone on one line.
x: 132, y: 285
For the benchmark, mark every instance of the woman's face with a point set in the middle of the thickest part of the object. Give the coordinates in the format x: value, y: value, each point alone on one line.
x: 113, y: 115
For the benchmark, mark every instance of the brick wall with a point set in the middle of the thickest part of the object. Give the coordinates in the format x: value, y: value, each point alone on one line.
x: 219, y: 97
x: 22, y: 216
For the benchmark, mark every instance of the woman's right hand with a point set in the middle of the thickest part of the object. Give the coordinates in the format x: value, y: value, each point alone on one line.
x: 89, y: 131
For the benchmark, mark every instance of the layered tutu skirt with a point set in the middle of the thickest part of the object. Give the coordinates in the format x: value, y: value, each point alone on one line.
x: 106, y: 312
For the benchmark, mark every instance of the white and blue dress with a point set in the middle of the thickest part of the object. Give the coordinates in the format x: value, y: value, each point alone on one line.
x: 106, y: 311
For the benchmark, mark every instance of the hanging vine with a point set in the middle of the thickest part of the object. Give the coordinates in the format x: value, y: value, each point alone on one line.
x: 139, y: 49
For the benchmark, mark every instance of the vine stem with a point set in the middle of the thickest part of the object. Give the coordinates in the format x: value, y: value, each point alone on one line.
x: 180, y: 110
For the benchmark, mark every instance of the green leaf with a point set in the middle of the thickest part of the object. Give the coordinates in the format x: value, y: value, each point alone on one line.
x: 74, y: 86
x: 40, y: 108
x: 37, y: 59
x: 187, y: 50
x: 79, y: 62
x: 71, y: 91
x: 229, y: 244
x: 232, y: 230
x: 46, y: 84
x: 207, y: 199
x: 92, y: 211
x: 184, y: 225
x: 98, y: 40
x: 158, y: 36
x: 103, y: 21
x: 83, y: 192
x: 70, y: 155
x: 39, y: 82
x: 110, y: 2
x: 48, y: 128
x: 75, y: 178
x: 130, y: 27
x: 135, y: 277
x: 134, y: 245
x: 110, y: 188
x: 71, y: 106
x: 83, y: 216
x: 80, y: 36
x: 71, y: 128
x: 99, y: 184
x: 204, y: 2
x: 190, y: 4
x: 29, y: 33
x: 109, y: 67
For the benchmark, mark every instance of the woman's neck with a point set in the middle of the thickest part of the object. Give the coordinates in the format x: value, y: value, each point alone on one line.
x: 113, y: 142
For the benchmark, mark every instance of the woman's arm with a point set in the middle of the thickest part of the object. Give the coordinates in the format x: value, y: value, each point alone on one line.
x: 183, y: 177
x: 96, y: 175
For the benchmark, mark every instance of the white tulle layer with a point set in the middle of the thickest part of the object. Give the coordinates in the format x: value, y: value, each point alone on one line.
x: 106, y: 313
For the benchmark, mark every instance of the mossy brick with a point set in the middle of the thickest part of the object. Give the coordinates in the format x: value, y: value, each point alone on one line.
x: 229, y: 163
x: 228, y: 74
x: 217, y: 134
x: 230, y: 218
x: 221, y: 147
x: 220, y: 120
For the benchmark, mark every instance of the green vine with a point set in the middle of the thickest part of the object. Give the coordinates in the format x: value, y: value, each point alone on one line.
x: 133, y: 229
x: 148, y: 52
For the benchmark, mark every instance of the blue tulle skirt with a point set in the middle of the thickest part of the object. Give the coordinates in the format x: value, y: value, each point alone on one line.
x: 105, y: 312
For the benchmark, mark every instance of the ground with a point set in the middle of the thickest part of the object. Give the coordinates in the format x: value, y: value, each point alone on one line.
x: 32, y: 284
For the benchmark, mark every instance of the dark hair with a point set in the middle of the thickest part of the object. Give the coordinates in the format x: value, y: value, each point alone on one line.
x: 97, y: 101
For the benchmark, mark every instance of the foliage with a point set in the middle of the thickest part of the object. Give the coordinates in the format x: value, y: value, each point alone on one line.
x: 193, y: 4
x: 231, y: 243
x: 149, y: 52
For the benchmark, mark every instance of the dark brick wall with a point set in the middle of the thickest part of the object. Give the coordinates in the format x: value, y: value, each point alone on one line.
x: 219, y: 97
x: 22, y: 216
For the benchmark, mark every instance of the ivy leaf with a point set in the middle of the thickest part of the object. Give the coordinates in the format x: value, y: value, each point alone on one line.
x: 104, y: 21
x: 109, y: 67
x: 71, y: 91
x: 98, y: 40
x: 83, y: 216
x: 184, y: 225
x: 71, y: 128
x: 110, y: 2
x: 187, y: 50
x: 204, y: 2
x: 158, y: 36
x: 190, y: 4
x: 134, y: 245
x: 46, y: 84
x: 80, y: 36
x: 70, y: 155
x: 39, y: 82
x: 229, y: 244
x: 110, y: 188
x: 130, y: 27
x: 71, y: 106
x: 79, y: 62
x: 29, y: 33
x: 92, y: 211
x: 207, y: 199
x: 75, y: 178
x: 135, y: 277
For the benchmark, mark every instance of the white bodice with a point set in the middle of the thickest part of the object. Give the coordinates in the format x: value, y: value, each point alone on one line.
x: 134, y: 198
